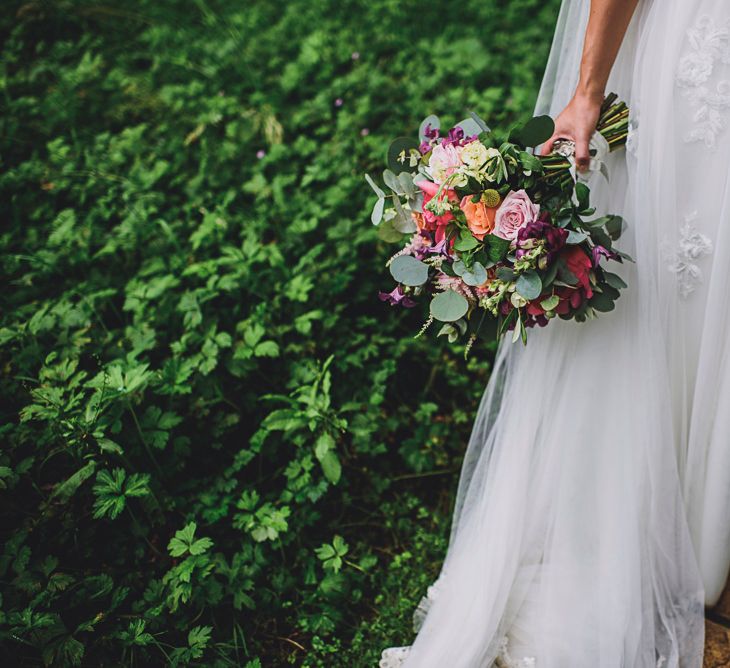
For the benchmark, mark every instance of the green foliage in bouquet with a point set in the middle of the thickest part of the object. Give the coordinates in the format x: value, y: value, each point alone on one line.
x: 216, y: 452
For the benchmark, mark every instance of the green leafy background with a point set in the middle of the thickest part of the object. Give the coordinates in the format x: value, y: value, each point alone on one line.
x: 218, y: 447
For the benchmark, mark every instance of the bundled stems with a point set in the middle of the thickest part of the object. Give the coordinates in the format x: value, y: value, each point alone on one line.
x: 613, y: 125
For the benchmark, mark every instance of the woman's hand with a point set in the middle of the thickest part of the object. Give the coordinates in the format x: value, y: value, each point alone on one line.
x: 577, y: 122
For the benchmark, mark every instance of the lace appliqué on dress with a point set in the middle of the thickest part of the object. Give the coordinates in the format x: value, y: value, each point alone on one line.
x: 682, y: 260
x: 709, y: 44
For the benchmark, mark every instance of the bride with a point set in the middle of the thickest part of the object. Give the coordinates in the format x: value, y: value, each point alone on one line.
x: 590, y: 525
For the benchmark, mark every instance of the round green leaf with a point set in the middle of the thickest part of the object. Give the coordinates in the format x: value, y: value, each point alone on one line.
x: 601, y: 302
x: 399, y: 155
x: 535, y: 132
x: 459, y: 267
x: 409, y: 271
x: 470, y: 127
x: 476, y: 275
x: 529, y: 285
x: 550, y: 302
x: 449, y: 306
x: 404, y: 223
x: 388, y: 233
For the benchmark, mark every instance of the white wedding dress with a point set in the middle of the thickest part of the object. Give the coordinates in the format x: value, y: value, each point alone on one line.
x: 592, y: 520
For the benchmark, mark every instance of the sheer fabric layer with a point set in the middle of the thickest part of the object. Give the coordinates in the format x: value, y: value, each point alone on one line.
x: 592, y: 447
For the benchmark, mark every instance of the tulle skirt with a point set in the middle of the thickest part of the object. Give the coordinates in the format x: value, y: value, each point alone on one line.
x: 591, y: 518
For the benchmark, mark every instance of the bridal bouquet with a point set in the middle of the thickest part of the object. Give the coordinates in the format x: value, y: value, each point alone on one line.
x: 494, y: 231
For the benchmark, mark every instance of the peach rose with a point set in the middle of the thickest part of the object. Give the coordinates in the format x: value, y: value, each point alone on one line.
x: 479, y: 217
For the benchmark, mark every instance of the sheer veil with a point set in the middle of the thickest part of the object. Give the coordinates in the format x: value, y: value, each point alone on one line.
x: 570, y: 545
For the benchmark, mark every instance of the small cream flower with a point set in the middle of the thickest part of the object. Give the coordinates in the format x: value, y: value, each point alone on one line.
x: 474, y: 155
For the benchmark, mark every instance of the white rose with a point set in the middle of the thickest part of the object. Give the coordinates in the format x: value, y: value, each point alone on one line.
x: 474, y: 155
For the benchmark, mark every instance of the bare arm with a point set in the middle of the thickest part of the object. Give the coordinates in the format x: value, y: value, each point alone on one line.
x: 607, y: 26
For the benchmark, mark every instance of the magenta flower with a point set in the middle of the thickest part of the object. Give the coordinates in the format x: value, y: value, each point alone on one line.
x: 339, y: 102
x: 601, y: 251
x: 396, y: 297
x: 260, y: 154
x: 554, y: 237
x: 443, y: 247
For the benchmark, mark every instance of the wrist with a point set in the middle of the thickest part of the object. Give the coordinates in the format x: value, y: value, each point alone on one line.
x: 590, y: 93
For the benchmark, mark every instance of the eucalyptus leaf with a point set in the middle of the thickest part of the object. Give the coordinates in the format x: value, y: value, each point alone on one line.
x: 406, y: 183
x: 377, y: 215
x: 374, y: 186
x: 403, y: 221
x: 409, y: 271
x: 449, y: 306
x: 401, y: 155
x: 459, y: 267
x: 470, y: 127
x: 505, y: 274
x: 575, y: 237
x: 529, y: 285
x: 476, y: 275
x: 393, y: 182
x: 480, y: 122
x: 388, y: 233
x: 415, y: 202
x: 550, y: 303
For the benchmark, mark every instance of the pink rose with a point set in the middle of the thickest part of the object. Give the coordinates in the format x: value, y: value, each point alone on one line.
x: 516, y: 211
x: 444, y: 161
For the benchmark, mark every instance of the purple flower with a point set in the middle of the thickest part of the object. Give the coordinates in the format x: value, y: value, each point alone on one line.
x: 441, y: 248
x: 339, y: 102
x: 431, y: 133
x: 364, y: 132
x: 601, y: 251
x: 456, y: 134
x: 260, y: 154
x: 396, y: 297
x: 554, y: 237
x: 457, y: 137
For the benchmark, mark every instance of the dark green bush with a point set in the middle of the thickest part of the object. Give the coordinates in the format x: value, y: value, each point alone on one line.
x: 219, y: 448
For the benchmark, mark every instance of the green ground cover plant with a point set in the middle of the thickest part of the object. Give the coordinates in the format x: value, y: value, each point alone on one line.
x: 218, y: 447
